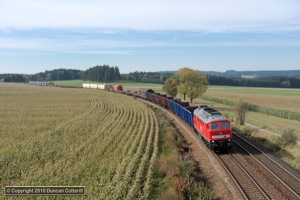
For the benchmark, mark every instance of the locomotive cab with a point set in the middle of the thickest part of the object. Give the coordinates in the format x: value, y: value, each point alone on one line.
x: 220, y: 134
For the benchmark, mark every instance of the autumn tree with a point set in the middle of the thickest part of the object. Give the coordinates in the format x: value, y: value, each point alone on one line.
x: 170, y: 86
x: 192, y: 83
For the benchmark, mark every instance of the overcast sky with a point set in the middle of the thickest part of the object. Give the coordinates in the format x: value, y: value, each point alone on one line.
x: 149, y: 35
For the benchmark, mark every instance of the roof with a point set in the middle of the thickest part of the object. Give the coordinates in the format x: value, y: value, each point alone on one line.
x: 208, y: 114
x: 146, y: 90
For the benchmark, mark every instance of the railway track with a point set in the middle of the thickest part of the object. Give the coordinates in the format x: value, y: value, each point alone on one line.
x: 256, y: 175
x: 245, y: 183
x: 259, y: 176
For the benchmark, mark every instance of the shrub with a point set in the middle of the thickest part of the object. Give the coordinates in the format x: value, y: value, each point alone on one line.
x: 287, y: 138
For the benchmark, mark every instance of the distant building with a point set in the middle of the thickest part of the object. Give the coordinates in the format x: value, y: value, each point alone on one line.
x: 249, y: 76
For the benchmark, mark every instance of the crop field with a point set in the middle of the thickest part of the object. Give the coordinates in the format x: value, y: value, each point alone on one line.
x: 126, y: 85
x: 52, y: 136
x: 283, y: 99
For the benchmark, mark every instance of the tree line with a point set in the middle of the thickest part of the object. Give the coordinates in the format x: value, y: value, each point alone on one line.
x: 274, y: 81
x: 53, y: 75
x: 103, y: 73
x: 146, y: 77
x: 98, y: 73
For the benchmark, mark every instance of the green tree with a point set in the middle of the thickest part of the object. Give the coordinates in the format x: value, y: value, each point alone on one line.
x: 170, y: 86
x: 192, y: 83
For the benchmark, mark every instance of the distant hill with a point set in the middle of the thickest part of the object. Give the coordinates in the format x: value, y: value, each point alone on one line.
x: 253, y: 74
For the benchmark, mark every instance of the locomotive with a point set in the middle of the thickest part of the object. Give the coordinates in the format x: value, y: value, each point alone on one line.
x: 210, y: 125
x: 213, y: 127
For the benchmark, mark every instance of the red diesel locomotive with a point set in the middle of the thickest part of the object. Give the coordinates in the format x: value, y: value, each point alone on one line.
x: 213, y: 127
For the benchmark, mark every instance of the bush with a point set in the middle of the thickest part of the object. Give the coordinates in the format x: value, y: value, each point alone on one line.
x: 287, y: 138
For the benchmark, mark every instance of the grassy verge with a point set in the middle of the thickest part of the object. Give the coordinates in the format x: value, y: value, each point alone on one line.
x: 177, y: 175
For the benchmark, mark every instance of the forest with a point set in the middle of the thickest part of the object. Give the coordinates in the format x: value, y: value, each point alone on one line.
x: 53, y: 75
x: 273, y: 81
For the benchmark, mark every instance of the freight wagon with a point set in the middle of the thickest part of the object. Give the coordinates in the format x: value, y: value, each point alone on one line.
x: 86, y: 85
x: 102, y: 86
x: 146, y: 93
x: 118, y: 88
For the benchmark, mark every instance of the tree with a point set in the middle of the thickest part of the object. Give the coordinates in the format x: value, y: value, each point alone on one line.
x: 192, y: 83
x: 241, y: 109
x: 170, y: 86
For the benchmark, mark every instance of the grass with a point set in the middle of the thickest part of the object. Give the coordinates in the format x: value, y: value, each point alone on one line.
x: 67, y: 136
x: 177, y: 175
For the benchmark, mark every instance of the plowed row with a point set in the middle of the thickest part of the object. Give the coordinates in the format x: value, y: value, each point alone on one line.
x: 104, y: 141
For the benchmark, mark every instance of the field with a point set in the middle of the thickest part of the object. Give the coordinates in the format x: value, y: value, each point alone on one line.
x: 126, y: 85
x: 52, y: 136
x: 283, y: 99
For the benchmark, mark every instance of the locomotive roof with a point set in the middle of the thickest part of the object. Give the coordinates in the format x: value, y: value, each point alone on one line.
x: 208, y: 114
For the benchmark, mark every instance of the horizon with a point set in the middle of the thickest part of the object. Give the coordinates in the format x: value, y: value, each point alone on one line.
x: 239, y: 35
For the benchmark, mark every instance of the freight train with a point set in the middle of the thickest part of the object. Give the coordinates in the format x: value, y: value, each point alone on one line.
x: 213, y: 127
x: 116, y: 88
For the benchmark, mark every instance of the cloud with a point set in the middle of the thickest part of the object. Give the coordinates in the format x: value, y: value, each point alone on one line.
x: 152, y: 15
x: 127, y: 43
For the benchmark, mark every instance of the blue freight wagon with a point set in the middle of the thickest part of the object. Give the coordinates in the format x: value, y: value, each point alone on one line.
x: 184, y: 110
x: 149, y: 96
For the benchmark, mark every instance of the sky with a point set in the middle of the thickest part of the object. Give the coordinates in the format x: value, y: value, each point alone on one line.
x: 149, y: 35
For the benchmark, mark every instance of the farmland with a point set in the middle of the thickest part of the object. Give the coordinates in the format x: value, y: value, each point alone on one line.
x: 277, y: 99
x: 127, y: 85
x: 283, y: 99
x: 61, y: 136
